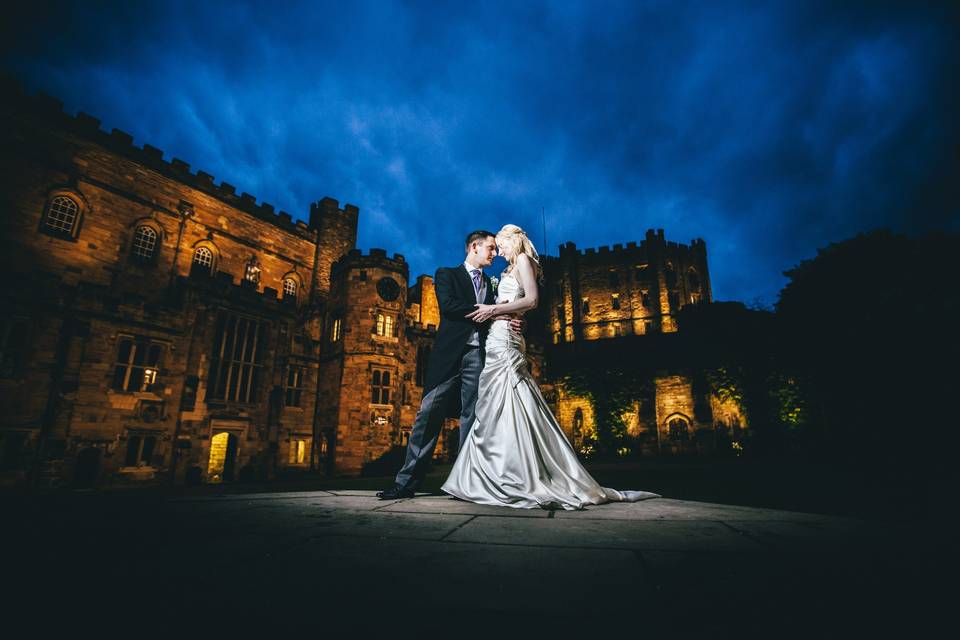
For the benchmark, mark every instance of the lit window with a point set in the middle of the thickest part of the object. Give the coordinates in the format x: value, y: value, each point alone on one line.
x: 385, y: 325
x: 335, y: 330
x: 299, y: 449
x: 615, y: 301
x: 62, y: 214
x: 380, y: 387
x: 137, y: 366
x: 144, y: 243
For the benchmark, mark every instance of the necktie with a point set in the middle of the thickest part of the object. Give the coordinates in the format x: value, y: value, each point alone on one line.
x: 476, y: 281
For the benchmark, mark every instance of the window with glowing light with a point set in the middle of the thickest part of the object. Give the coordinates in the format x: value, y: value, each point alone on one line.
x: 335, y: 329
x: 299, y: 451
x: 138, y: 364
x: 385, y: 325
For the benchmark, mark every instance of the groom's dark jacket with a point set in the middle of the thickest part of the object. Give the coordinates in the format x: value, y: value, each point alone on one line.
x: 456, y: 298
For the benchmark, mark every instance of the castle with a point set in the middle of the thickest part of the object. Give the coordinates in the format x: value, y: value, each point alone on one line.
x: 160, y: 327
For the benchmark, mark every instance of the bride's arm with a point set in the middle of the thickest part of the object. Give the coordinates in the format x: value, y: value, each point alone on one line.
x: 531, y: 294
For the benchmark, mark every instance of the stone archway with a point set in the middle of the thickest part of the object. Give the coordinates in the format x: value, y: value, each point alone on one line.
x: 677, y: 430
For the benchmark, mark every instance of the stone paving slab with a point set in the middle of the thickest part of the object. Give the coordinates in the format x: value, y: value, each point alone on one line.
x: 436, y: 504
x: 603, y: 534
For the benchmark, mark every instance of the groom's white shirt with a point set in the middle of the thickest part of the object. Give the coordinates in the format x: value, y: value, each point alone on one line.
x: 475, y: 336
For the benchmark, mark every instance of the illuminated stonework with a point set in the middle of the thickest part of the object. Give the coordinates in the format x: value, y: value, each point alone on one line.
x: 628, y: 290
x: 161, y: 327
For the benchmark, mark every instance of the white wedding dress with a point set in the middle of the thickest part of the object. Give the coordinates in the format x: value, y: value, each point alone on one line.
x: 516, y: 454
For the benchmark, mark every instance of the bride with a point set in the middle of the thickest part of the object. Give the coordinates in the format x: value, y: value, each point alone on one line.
x: 516, y: 455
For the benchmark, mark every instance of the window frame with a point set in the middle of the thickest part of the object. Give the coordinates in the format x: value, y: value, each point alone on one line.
x: 131, y: 363
x: 78, y: 200
x: 381, y: 392
x: 293, y: 388
x: 223, y: 385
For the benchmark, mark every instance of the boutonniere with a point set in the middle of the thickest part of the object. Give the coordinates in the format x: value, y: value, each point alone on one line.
x: 494, y: 281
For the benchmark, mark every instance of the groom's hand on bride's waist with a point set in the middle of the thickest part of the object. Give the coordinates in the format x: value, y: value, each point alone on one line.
x: 517, y: 323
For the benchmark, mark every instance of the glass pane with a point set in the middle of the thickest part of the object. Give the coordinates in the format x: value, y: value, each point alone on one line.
x: 155, y: 352
x: 148, y: 444
x: 133, y: 450
x: 376, y: 378
x: 386, y: 378
x: 118, y: 376
x: 123, y: 355
x: 135, y: 382
x: 139, y: 353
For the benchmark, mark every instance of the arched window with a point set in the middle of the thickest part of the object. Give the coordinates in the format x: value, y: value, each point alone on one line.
x: 202, y: 262
x: 203, y: 257
x: 694, y: 279
x: 63, y: 216
x: 289, y: 288
x: 144, y: 247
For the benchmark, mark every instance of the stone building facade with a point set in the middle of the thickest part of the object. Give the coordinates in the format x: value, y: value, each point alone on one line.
x: 159, y: 327
x: 631, y: 295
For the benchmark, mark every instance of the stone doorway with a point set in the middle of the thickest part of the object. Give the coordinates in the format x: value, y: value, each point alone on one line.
x: 223, y: 457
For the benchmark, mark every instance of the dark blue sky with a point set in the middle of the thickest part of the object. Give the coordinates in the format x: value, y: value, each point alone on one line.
x: 768, y: 129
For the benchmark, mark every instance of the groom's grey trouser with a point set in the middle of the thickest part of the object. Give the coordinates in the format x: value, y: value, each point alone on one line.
x: 433, y: 409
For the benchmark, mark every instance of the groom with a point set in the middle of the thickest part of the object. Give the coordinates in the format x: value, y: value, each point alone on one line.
x: 453, y: 374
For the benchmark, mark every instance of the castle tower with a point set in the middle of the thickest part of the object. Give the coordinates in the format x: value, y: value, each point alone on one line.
x: 623, y: 290
x: 336, y: 235
x: 366, y: 360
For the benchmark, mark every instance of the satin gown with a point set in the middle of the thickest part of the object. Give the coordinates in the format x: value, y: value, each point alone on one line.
x: 516, y: 454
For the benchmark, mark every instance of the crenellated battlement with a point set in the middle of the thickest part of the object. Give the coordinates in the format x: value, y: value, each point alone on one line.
x: 375, y: 258
x: 653, y: 239
x: 89, y: 128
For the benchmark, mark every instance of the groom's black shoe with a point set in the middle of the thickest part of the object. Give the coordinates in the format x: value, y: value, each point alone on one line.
x: 395, y: 493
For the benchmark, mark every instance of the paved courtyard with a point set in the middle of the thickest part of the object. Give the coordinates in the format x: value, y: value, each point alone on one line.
x: 321, y: 561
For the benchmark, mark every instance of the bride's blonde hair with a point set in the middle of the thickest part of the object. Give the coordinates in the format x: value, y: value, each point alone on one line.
x: 516, y: 238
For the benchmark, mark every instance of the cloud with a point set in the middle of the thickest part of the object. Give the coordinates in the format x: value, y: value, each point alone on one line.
x: 767, y: 129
